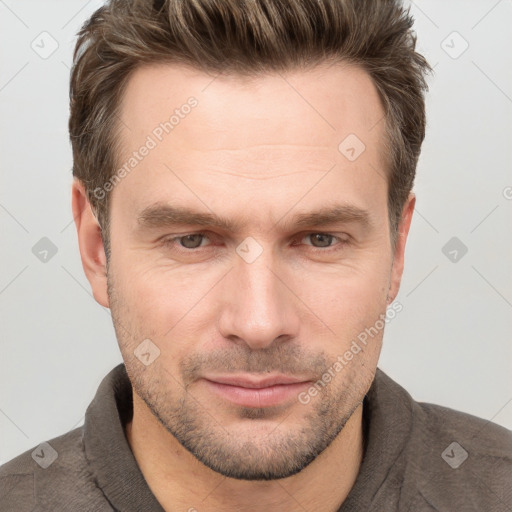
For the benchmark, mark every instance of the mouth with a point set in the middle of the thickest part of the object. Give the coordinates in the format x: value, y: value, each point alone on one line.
x: 257, y: 392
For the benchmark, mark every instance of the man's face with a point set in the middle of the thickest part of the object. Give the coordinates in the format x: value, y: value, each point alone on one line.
x: 248, y: 313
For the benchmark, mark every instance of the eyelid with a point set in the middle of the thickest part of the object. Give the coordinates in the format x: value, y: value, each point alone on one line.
x: 342, y: 239
x: 173, y: 239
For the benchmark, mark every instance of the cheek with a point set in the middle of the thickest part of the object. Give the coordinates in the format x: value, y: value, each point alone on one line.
x: 355, y: 290
x: 162, y: 303
x: 347, y: 302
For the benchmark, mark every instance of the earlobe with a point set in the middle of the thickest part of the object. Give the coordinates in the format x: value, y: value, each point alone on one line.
x: 92, y: 251
x: 399, y: 252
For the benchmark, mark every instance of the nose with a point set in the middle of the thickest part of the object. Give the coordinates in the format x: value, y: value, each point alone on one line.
x: 258, y: 307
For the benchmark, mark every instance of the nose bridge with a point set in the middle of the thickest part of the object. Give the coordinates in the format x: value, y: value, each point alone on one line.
x: 258, y: 306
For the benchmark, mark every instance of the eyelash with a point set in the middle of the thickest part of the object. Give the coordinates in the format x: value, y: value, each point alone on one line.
x: 172, y: 242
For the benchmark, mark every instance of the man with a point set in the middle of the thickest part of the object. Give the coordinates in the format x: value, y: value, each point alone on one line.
x: 242, y: 197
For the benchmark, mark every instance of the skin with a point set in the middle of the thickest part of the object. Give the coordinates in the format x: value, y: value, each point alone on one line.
x: 257, y: 152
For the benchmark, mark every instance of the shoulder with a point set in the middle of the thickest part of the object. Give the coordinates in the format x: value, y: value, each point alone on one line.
x: 52, y: 476
x: 483, y: 437
x: 459, y: 460
x: 444, y: 459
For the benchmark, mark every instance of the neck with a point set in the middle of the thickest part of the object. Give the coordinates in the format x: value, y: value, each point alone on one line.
x: 180, y: 482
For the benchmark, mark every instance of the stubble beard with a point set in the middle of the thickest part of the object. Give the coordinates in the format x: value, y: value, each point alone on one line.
x: 280, y: 449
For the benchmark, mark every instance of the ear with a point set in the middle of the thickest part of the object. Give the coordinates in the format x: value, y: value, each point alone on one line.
x: 92, y: 251
x: 399, y: 252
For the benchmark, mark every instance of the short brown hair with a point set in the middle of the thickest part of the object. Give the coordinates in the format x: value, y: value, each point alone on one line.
x: 245, y: 37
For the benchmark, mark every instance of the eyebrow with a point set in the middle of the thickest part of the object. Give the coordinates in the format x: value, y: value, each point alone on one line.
x: 163, y: 215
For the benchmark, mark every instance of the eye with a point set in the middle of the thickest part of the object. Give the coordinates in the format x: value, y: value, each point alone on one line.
x: 325, y: 240
x: 190, y: 241
x: 320, y: 239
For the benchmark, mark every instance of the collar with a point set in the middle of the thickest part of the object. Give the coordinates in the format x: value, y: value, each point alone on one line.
x: 107, y: 450
x: 387, y: 424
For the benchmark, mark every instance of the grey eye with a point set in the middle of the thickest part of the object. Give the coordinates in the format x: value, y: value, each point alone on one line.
x: 323, y: 239
x: 191, y: 241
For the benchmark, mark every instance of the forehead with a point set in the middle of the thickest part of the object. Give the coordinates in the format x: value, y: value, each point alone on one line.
x: 332, y: 100
x: 250, y: 134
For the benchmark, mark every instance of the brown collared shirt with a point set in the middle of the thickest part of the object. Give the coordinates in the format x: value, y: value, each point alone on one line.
x: 418, y: 457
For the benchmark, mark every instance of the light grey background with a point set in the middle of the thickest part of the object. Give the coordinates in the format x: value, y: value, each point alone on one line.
x: 451, y: 343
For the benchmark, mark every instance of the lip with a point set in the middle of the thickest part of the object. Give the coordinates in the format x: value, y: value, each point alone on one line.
x: 253, y: 391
